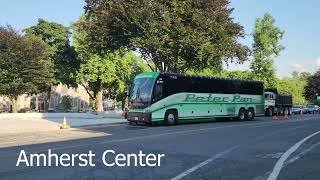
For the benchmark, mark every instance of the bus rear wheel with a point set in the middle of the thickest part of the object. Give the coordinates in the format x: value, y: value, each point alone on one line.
x: 242, y: 114
x: 250, y: 114
x: 171, y: 117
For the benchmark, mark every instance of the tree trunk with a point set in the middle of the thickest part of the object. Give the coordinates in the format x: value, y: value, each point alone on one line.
x: 123, y: 103
x: 37, y: 103
x: 96, y: 102
x: 93, y: 103
x: 100, y: 101
x: 48, y: 99
x: 14, y: 104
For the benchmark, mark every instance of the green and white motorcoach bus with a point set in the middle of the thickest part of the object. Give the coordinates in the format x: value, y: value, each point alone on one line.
x: 171, y: 98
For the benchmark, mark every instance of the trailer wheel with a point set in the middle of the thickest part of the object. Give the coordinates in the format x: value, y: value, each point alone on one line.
x: 289, y: 111
x: 268, y: 112
x: 171, y: 117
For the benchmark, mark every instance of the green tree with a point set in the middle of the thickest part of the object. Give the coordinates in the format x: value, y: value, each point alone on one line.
x: 266, y: 47
x: 304, y: 76
x: 294, y: 87
x: 224, y: 73
x: 312, y: 88
x: 175, y: 35
x: 25, y: 65
x: 206, y: 72
x: 66, y: 103
x: 95, y: 74
x: 112, y: 73
x: 127, y: 67
x: 62, y: 54
x: 238, y: 74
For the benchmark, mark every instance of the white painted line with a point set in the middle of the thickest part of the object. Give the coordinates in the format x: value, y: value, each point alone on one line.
x: 277, y: 168
x: 194, y: 168
x: 304, y: 152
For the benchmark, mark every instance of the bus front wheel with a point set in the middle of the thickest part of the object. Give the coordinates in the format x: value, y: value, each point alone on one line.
x: 242, y: 114
x: 171, y: 117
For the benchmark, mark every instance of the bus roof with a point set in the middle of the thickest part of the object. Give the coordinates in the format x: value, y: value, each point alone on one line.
x: 156, y: 74
x: 207, y: 77
x: 147, y: 75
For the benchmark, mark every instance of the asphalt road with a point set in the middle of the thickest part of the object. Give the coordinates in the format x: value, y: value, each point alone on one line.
x: 259, y: 149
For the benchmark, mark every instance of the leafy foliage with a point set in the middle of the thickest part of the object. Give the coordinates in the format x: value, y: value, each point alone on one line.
x: 127, y: 67
x: 293, y: 86
x: 94, y: 75
x: 223, y: 73
x: 266, y: 46
x: 62, y: 54
x: 112, y: 73
x: 66, y: 103
x: 313, y: 87
x: 175, y: 35
x: 25, y: 65
x: 303, y: 76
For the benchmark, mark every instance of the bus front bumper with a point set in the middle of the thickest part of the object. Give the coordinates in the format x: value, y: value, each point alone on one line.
x: 139, y: 117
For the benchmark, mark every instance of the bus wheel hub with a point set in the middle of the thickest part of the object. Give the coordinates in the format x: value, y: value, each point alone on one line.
x: 171, y: 118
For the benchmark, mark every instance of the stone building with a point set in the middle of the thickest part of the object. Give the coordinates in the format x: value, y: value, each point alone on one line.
x: 79, y: 96
x: 23, y: 102
x: 79, y: 100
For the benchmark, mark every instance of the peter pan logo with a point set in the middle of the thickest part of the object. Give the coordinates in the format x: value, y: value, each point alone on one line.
x: 211, y: 98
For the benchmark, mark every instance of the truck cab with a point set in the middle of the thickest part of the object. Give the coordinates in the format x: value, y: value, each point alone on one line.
x: 277, y: 103
x: 270, y: 99
x: 270, y: 102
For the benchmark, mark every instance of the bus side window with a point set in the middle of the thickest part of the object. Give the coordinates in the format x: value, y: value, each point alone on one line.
x: 158, y: 93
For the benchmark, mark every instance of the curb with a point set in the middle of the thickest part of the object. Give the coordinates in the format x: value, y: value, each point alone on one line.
x: 99, y: 125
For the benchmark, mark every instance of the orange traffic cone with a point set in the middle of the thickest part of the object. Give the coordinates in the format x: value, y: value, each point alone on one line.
x: 274, y: 117
x: 286, y: 114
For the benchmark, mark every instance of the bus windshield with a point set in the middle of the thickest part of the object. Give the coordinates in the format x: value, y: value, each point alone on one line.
x: 141, y: 91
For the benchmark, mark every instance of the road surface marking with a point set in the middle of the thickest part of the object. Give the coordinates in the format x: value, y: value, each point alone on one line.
x: 277, y: 168
x: 160, y: 135
x: 194, y: 168
x: 304, y: 152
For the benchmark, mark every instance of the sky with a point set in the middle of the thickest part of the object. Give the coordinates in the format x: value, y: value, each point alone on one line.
x: 299, y: 19
x: 301, y: 23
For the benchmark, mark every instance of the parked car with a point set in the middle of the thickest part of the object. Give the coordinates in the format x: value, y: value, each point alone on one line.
x: 305, y: 110
x: 318, y: 109
x: 296, y: 109
x: 51, y: 110
x: 311, y: 109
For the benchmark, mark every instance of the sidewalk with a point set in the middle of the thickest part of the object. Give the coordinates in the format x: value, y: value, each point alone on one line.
x: 39, y: 137
x: 79, y: 122
x: 17, y: 126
